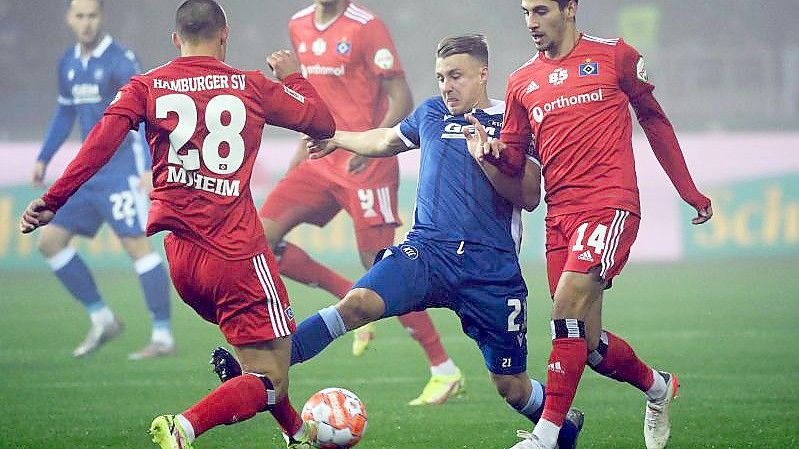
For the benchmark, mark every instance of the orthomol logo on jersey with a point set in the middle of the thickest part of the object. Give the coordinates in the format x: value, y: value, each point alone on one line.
x: 455, y: 131
x: 539, y: 112
x: 323, y: 70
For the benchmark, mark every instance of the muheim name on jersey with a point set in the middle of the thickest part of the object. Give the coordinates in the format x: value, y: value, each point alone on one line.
x: 564, y: 102
x: 195, y: 180
x: 455, y: 131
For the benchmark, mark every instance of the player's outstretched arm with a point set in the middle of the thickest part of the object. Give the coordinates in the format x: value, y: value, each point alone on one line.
x: 379, y: 142
x: 523, y: 191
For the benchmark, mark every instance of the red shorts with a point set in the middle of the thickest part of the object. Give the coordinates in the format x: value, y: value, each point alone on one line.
x: 246, y: 298
x: 308, y: 194
x: 581, y: 241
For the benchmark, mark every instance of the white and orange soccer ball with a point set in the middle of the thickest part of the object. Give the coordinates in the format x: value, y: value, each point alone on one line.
x: 340, y: 417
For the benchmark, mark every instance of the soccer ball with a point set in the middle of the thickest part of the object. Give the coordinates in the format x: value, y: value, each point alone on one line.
x: 339, y: 415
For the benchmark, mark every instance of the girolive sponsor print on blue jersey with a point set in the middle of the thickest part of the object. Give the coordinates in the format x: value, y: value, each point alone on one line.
x: 455, y: 201
x: 86, y: 87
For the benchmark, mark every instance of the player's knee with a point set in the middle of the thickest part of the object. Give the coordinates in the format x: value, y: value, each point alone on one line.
x: 575, y: 294
x: 359, y: 307
x: 512, y: 388
x: 49, y: 246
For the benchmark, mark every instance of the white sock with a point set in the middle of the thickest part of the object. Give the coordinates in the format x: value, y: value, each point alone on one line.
x: 447, y: 368
x: 547, y: 432
x: 162, y: 336
x: 187, y: 427
x: 658, y: 389
x: 102, y: 317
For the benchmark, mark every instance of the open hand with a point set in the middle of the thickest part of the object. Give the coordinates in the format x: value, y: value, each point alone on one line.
x: 318, y: 149
x: 479, y: 143
x: 36, y: 215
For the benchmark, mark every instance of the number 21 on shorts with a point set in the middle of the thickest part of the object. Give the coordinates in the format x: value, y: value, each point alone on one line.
x: 596, y: 239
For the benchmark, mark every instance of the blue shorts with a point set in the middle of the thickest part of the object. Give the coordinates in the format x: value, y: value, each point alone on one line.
x: 118, y: 202
x: 482, y: 285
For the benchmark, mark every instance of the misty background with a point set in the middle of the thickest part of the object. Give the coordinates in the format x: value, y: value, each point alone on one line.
x: 718, y: 65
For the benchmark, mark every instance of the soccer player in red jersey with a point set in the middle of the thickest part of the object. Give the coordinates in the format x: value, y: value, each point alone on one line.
x: 204, y: 121
x: 346, y: 52
x: 570, y: 104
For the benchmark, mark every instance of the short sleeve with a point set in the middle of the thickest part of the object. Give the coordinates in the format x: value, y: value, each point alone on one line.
x: 408, y: 129
x: 631, y: 69
x: 130, y: 102
x: 379, y: 52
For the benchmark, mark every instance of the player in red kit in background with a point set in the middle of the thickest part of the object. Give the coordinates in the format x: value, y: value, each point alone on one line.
x: 204, y: 121
x: 570, y: 104
x: 347, y: 54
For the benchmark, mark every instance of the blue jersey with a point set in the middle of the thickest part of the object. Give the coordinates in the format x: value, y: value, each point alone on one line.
x: 86, y: 86
x: 455, y: 201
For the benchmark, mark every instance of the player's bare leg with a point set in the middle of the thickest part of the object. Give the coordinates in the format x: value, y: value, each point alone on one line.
x: 155, y: 286
x: 263, y: 386
x: 73, y: 273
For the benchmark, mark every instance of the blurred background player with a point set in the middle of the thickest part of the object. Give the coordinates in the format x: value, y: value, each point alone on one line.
x: 570, y: 103
x: 467, y: 262
x: 346, y: 52
x: 218, y: 256
x: 89, y: 75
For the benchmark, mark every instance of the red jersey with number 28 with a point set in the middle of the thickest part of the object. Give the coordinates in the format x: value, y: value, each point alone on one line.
x: 345, y: 60
x: 204, y: 121
x: 574, y: 112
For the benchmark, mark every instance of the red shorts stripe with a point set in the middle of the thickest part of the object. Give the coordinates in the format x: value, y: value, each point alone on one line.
x: 244, y: 297
x: 581, y: 241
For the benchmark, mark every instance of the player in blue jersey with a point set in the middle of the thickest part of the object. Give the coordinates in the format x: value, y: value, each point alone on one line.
x: 89, y: 75
x: 462, y: 251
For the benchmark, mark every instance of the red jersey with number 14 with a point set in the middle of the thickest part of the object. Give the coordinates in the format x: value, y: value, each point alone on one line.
x: 204, y: 121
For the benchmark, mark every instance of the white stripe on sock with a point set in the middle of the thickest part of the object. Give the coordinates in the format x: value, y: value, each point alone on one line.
x: 147, y: 263
x: 61, y: 258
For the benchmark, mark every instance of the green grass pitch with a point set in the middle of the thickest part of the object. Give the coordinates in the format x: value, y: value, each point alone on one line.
x: 729, y: 329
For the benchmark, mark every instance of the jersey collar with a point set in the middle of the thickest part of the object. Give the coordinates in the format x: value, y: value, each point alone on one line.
x: 497, y: 107
x: 99, y: 50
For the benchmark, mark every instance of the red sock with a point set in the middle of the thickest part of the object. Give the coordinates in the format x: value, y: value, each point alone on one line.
x: 288, y: 418
x: 298, y: 265
x: 236, y: 400
x: 421, y: 328
x: 616, y: 359
x: 564, y: 370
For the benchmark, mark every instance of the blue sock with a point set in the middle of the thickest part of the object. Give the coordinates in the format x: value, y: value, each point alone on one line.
x: 154, y: 282
x: 74, y: 274
x: 315, y: 333
x: 535, y: 408
x: 535, y: 404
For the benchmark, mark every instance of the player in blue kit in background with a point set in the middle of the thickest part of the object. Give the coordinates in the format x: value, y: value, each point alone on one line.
x: 89, y: 76
x: 462, y: 251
